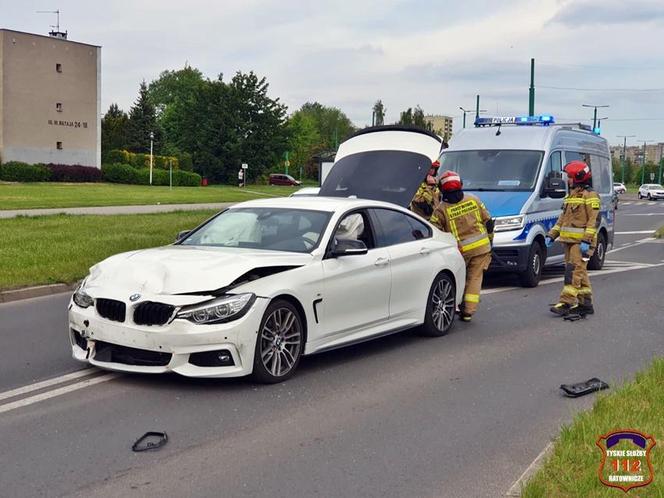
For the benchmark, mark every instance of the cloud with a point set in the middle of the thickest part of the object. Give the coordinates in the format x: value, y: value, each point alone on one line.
x: 590, y: 12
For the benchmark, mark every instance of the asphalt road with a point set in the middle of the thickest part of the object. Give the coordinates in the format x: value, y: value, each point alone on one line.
x: 462, y: 415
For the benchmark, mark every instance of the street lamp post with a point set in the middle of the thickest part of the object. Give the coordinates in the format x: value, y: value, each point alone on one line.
x: 595, y: 113
x: 466, y: 111
x: 643, y: 160
x: 151, y: 158
x: 623, y: 156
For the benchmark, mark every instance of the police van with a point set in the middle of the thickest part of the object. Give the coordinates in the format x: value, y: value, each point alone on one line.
x: 515, y: 166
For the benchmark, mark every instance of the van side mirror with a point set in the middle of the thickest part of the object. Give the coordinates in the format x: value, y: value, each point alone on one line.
x: 554, y: 187
x: 182, y: 235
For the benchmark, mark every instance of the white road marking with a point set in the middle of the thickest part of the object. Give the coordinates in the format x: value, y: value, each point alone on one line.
x: 46, y: 383
x: 57, y: 392
x: 633, y: 244
x: 518, y: 485
x: 636, y: 232
x: 644, y: 214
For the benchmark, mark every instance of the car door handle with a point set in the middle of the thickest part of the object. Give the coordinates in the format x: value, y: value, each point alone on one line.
x: 425, y: 250
x: 381, y: 261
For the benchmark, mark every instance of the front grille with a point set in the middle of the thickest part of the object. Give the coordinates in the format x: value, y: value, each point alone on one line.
x: 111, y: 309
x: 114, y: 353
x: 149, y: 313
x: 506, y: 253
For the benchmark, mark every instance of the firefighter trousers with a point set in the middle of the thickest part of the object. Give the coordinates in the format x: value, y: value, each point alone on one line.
x: 577, y: 283
x: 475, y: 268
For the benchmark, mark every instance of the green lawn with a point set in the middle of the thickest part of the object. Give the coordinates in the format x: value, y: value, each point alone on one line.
x: 58, y: 195
x: 61, y: 248
x: 659, y: 234
x: 572, y: 469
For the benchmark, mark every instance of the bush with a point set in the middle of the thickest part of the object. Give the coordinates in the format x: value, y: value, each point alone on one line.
x: 139, y: 160
x: 186, y: 162
x: 15, y: 171
x: 118, y: 157
x: 76, y: 173
x: 119, y: 173
x: 186, y: 179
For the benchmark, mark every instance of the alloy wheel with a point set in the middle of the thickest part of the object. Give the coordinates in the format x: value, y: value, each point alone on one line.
x: 281, y: 341
x: 442, y: 301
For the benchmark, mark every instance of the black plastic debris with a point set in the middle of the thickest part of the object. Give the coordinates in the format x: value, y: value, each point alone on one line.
x: 583, y: 388
x: 573, y: 317
x: 150, y: 441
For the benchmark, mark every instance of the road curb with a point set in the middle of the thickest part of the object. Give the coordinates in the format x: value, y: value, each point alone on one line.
x: 536, y: 464
x: 37, y: 291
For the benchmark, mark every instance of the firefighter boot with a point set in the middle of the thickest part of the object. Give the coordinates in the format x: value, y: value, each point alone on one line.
x: 561, y: 309
x: 585, y: 306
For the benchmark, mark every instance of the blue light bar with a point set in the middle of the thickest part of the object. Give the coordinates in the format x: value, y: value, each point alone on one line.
x: 544, y: 120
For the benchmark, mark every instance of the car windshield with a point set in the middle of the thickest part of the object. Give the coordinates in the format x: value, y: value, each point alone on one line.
x: 657, y: 186
x: 384, y: 175
x: 500, y: 170
x: 272, y: 229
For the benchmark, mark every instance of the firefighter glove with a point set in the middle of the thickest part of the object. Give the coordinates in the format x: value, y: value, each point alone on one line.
x: 548, y: 241
x: 585, y: 247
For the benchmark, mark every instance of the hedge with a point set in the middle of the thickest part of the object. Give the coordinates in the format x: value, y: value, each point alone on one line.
x: 15, y: 171
x: 138, y: 160
x: 76, y: 173
x: 125, y: 173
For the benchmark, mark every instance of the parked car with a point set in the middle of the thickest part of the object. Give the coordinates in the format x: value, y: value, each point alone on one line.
x: 280, y: 179
x: 264, y: 282
x: 651, y: 191
x: 619, y: 188
x: 306, y: 192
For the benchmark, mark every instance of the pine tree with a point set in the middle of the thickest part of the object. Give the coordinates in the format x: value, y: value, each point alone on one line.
x: 143, y: 121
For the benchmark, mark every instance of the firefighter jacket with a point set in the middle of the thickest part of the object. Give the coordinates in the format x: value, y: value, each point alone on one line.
x: 470, y: 223
x: 579, y: 220
x: 425, y: 201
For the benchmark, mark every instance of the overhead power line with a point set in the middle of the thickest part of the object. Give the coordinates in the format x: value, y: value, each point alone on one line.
x: 602, y: 89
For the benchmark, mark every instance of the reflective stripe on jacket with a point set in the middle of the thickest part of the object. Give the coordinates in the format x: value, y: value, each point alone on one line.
x: 579, y: 220
x: 425, y: 201
x: 466, y: 220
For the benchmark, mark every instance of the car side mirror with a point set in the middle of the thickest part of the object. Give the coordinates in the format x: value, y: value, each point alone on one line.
x: 346, y: 247
x: 554, y: 187
x: 182, y: 235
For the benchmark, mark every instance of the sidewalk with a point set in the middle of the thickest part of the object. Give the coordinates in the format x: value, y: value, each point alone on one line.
x: 109, y: 210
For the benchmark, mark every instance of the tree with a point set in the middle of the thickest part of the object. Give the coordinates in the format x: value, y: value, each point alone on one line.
x: 379, y: 113
x: 114, y: 130
x: 415, y: 118
x: 142, y: 122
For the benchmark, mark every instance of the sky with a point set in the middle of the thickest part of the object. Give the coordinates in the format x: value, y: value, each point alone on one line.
x: 438, y: 54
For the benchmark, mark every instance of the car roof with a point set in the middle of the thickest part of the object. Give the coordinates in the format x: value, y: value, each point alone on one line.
x: 315, y: 203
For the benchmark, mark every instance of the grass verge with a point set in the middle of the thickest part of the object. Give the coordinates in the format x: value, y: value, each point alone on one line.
x: 60, y: 249
x: 571, y: 470
x: 60, y: 195
x: 659, y: 234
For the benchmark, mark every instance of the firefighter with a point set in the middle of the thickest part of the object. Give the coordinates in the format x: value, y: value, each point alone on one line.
x: 466, y: 217
x: 427, y: 196
x: 576, y: 229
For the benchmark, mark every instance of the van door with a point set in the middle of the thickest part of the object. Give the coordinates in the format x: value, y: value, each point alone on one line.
x: 551, y: 207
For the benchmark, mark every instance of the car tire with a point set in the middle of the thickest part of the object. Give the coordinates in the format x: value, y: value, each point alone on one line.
x: 531, y: 276
x: 441, y: 305
x: 596, y: 261
x: 649, y: 197
x: 279, y: 343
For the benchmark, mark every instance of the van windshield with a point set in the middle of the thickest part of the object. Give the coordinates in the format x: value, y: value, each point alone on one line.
x: 499, y: 170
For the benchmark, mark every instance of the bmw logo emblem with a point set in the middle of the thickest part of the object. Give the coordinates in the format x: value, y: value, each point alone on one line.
x: 134, y: 297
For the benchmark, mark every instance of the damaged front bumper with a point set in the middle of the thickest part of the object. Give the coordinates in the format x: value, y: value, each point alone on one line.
x: 180, y: 346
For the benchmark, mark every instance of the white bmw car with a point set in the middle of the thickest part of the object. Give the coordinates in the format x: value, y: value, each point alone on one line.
x: 265, y: 282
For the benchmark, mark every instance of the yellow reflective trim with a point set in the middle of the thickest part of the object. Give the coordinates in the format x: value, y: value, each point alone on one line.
x: 556, y: 227
x: 475, y: 245
x: 593, y: 203
x: 574, y: 200
x: 570, y: 290
x: 434, y: 219
x: 570, y: 235
x: 462, y: 209
x: 591, y: 231
x: 471, y: 298
x: 585, y: 290
x: 453, y: 227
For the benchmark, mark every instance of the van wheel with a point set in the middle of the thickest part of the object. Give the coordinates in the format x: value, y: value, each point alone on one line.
x: 533, y: 272
x: 597, y: 260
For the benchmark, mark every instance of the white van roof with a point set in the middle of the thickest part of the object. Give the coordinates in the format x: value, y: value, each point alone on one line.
x: 516, y: 137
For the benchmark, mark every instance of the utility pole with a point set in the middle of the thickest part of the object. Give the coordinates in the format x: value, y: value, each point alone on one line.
x: 531, y: 93
x: 477, y: 108
x: 643, y: 161
x: 622, y: 156
x: 466, y: 111
x: 595, y: 113
x: 151, y: 157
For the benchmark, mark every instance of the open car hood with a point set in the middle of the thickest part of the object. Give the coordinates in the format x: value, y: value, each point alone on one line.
x: 385, y: 163
x: 188, y: 269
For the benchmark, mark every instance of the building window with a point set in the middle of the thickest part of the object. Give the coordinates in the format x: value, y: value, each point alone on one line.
x: 58, y: 145
x: 58, y: 106
x: 58, y: 67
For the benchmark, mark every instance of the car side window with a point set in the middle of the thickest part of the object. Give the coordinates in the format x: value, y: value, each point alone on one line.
x: 354, y: 226
x: 398, y: 228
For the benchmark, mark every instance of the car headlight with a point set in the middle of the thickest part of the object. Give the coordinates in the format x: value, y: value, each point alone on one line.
x: 220, y: 310
x: 505, y: 223
x: 82, y: 300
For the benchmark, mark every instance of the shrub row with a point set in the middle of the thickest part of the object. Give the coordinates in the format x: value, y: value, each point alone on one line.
x: 125, y: 173
x: 15, y: 171
x: 143, y: 160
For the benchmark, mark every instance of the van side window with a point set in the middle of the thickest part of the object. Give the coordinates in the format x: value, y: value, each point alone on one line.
x: 581, y: 156
x: 555, y: 167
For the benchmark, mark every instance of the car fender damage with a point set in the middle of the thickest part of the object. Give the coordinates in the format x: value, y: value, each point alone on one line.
x: 247, y: 277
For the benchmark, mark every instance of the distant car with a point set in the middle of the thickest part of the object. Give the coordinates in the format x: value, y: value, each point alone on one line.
x: 619, y: 188
x: 280, y: 179
x: 651, y: 191
x: 306, y: 192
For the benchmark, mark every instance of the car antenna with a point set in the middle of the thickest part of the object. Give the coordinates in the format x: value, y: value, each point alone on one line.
x: 498, y: 130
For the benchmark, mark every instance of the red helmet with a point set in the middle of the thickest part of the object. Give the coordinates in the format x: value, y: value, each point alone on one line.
x: 434, y: 168
x: 578, y: 171
x: 450, y: 181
